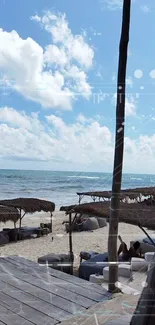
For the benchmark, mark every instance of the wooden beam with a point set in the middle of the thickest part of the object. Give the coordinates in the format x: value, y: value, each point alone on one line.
x: 21, y: 217
x: 119, y: 148
x: 145, y: 232
x: 70, y: 244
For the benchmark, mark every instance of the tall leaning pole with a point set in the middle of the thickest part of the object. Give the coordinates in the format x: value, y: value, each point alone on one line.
x: 119, y: 148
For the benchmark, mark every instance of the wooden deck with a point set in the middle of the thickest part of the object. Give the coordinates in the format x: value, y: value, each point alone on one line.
x: 34, y: 294
x: 121, y: 305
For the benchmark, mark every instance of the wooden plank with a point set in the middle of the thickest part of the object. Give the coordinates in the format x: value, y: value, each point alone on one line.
x: 7, y: 317
x: 59, y: 282
x: 145, y: 310
x: 70, y: 286
x: 58, y: 274
x: 39, y: 282
x: 101, y: 313
x: 52, y: 299
x: 29, y: 313
x: 31, y: 301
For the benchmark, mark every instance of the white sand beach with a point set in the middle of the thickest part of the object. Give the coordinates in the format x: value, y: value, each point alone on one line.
x: 96, y: 240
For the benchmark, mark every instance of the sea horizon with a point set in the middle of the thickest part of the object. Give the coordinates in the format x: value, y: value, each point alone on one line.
x: 61, y: 187
x: 72, y: 171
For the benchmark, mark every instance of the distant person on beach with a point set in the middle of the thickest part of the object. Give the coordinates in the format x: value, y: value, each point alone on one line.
x: 127, y: 254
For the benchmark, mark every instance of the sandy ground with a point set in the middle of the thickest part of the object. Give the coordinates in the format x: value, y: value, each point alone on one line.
x: 96, y: 240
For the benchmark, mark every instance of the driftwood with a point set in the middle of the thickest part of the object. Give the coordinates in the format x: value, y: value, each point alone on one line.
x: 145, y: 311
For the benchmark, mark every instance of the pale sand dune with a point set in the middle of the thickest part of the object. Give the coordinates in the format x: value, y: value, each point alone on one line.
x: 96, y: 240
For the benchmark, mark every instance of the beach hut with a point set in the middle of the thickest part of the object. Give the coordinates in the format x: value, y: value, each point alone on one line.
x: 29, y: 205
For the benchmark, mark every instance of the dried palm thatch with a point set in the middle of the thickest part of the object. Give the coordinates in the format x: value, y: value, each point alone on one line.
x: 9, y: 214
x: 131, y: 193
x: 68, y: 207
x: 29, y: 205
x: 134, y: 213
x: 100, y: 194
x: 145, y: 191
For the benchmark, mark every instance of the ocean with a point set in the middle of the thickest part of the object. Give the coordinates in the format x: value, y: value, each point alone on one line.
x: 61, y: 187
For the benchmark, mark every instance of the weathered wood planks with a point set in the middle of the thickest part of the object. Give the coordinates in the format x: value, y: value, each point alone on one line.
x: 32, y: 294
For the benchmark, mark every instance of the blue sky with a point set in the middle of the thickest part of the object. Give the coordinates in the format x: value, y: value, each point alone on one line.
x: 58, y: 73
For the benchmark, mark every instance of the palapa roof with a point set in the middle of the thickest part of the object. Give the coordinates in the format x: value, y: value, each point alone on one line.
x: 9, y: 214
x: 68, y: 207
x: 131, y: 213
x: 145, y: 191
x: 29, y: 205
x: 131, y: 193
x: 104, y: 194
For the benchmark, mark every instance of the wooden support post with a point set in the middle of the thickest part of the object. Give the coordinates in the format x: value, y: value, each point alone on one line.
x: 119, y: 149
x: 15, y: 232
x: 51, y: 222
x: 70, y: 244
x: 80, y: 198
x: 20, y: 220
x: 20, y: 223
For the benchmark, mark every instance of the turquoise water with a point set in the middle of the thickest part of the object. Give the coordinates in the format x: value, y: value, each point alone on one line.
x: 61, y: 187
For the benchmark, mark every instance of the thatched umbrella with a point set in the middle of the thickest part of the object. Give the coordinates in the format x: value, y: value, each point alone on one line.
x: 132, y: 193
x: 29, y: 205
x: 137, y: 214
x: 9, y: 214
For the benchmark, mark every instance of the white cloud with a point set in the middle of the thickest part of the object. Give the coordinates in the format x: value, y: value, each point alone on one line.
x: 129, y: 82
x: 99, y: 74
x: 111, y: 4
x: 145, y: 9
x: 55, y: 55
x: 85, y: 144
x: 18, y: 119
x: 82, y: 119
x: 74, y: 46
x: 79, y: 143
x: 52, y: 76
x: 130, y: 105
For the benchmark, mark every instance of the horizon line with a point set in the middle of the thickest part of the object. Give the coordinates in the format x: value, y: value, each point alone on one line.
x: 74, y: 171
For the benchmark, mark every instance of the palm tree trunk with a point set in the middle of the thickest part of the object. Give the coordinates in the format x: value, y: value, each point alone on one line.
x: 119, y: 148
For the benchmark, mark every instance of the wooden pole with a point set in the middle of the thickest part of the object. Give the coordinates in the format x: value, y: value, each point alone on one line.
x: 145, y: 232
x: 70, y: 243
x: 20, y: 220
x: 15, y: 232
x: 119, y: 148
x: 21, y: 217
x: 51, y: 222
